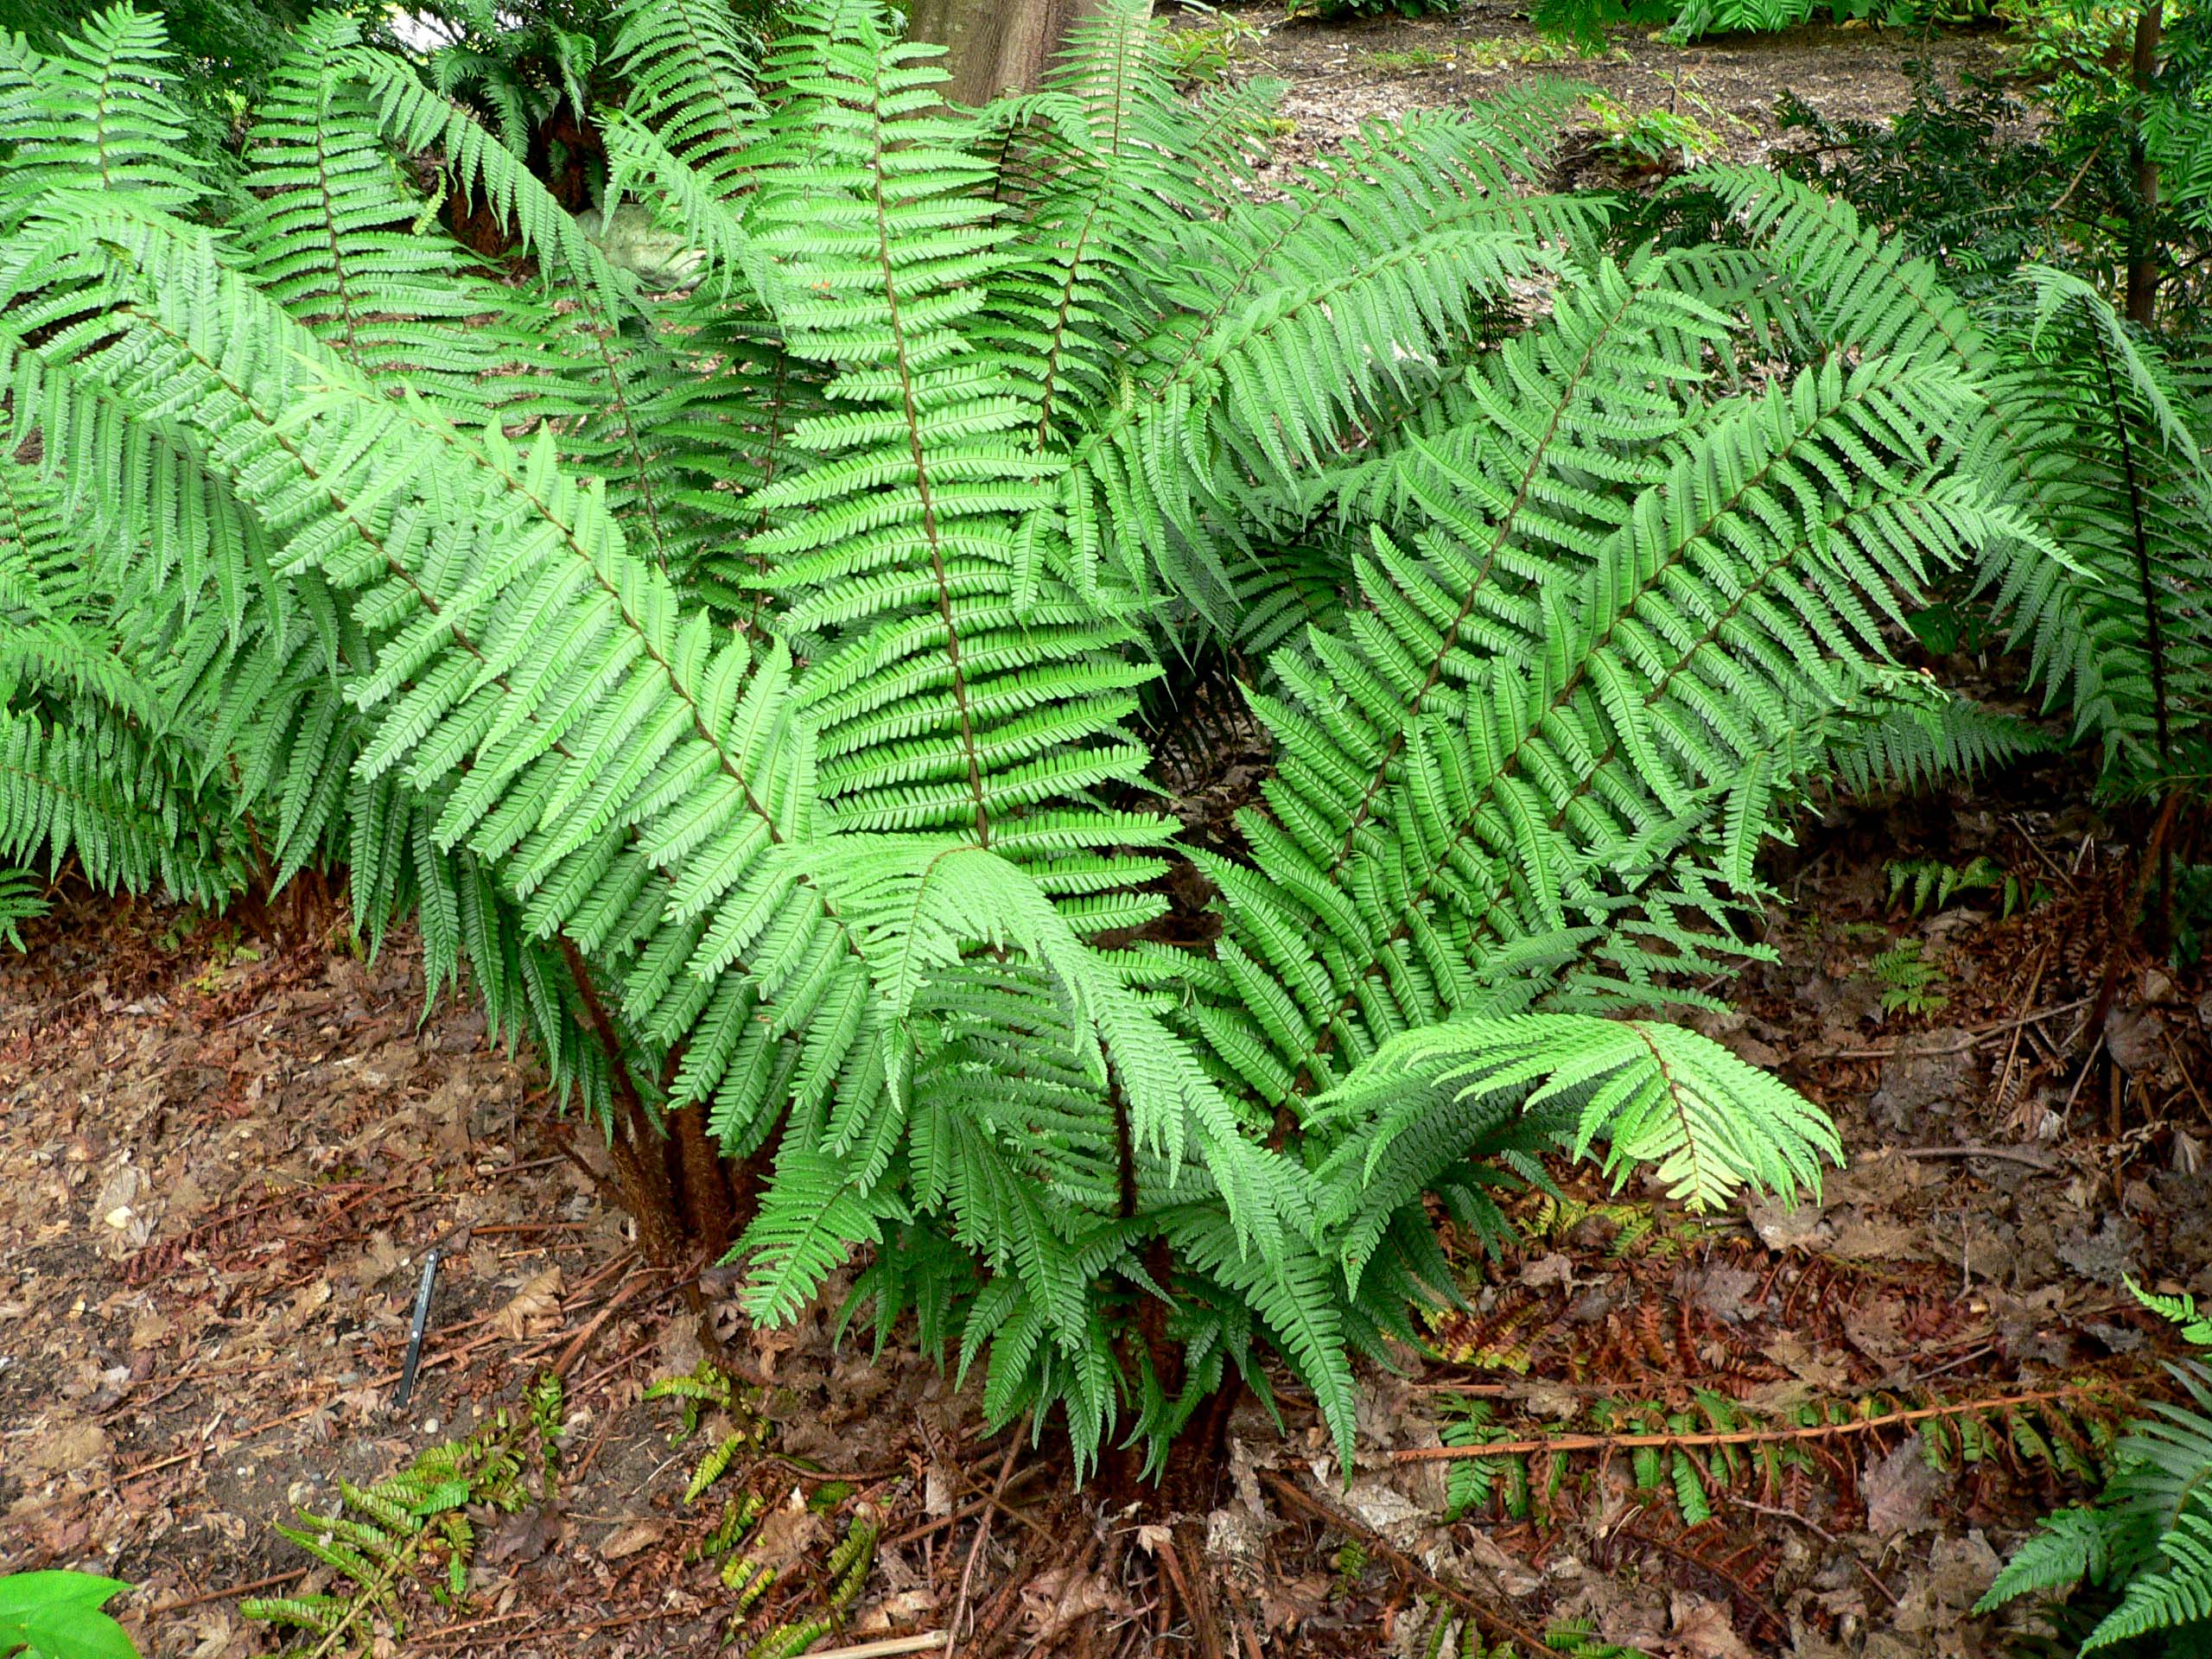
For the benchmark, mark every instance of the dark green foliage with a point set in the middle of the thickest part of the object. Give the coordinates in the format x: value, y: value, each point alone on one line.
x: 1330, y: 11
x: 1952, y: 175
x: 229, y: 49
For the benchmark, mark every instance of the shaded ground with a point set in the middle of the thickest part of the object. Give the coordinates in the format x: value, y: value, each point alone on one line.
x: 234, y: 1152
x: 228, y: 1149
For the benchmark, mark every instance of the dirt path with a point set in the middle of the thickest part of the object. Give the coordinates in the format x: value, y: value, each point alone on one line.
x: 1340, y: 74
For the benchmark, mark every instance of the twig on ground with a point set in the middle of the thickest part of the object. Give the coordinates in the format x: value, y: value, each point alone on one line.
x: 1376, y: 1545
x: 983, y: 1537
x: 2013, y: 1048
x: 573, y: 1351
x: 927, y: 1642
x: 1732, y: 1437
x: 206, y: 1596
x: 1977, y: 1036
x: 1202, y: 1626
x: 2033, y: 1160
x: 961, y: 1514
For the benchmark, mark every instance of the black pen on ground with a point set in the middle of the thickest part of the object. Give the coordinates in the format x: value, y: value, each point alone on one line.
x: 415, y: 1335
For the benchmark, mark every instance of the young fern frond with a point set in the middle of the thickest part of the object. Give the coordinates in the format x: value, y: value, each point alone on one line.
x: 1915, y: 740
x: 1655, y: 1095
x: 1283, y: 324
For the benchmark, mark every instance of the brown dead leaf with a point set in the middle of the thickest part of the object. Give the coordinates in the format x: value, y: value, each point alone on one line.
x: 1553, y: 1269
x: 1704, y: 1631
x: 625, y: 1542
x: 1286, y: 1603
x: 1791, y: 1351
x: 535, y: 1310
x: 70, y: 1446
x: 786, y: 1534
x: 1898, y: 1490
x: 1720, y: 1290
x: 1877, y: 1331
x: 1054, y: 1600
x: 1780, y: 1227
x: 524, y: 1537
x: 897, y: 1611
x: 1867, y: 1238
x: 379, y: 1262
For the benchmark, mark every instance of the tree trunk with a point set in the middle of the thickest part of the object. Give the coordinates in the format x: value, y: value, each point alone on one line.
x: 2143, y: 245
x: 994, y: 46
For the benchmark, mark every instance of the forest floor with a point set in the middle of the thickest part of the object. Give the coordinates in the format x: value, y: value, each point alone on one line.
x: 229, y: 1147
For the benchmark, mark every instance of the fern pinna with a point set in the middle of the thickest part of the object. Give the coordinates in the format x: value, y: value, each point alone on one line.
x: 737, y: 685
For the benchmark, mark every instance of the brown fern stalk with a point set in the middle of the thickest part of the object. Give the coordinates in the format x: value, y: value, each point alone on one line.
x: 2071, y: 1392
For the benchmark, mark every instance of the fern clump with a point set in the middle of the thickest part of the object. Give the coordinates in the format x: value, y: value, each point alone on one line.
x: 740, y: 686
x: 2148, y: 1537
x: 380, y: 1537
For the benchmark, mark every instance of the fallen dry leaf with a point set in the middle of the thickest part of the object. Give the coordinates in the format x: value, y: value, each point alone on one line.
x: 1055, y: 1599
x: 785, y: 1534
x: 69, y: 1447
x: 535, y: 1310
x: 1704, y: 1631
x: 1553, y: 1269
x: 625, y: 1542
x: 524, y: 1537
x: 1899, y: 1490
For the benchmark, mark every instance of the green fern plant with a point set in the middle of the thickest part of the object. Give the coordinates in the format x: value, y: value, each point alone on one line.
x: 1932, y: 882
x: 2148, y: 1537
x: 22, y: 898
x: 738, y: 686
x: 1909, y: 982
x: 382, y: 1536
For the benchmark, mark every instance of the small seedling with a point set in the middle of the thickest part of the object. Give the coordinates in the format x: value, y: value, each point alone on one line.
x: 1489, y: 55
x: 1690, y: 129
x: 1209, y: 56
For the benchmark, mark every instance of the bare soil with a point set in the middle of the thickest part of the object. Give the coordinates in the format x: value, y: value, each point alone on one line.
x: 1339, y: 75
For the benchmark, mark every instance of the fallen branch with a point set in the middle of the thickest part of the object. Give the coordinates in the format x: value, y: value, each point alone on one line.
x: 2043, y: 1161
x: 1734, y: 1437
x: 927, y: 1642
x: 1977, y: 1035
